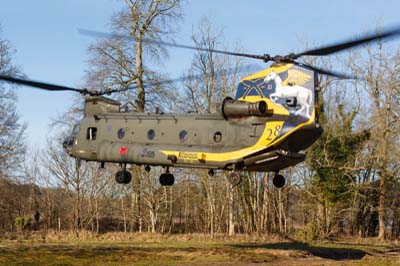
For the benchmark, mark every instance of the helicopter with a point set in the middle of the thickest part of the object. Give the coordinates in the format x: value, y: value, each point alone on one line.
x: 266, y: 127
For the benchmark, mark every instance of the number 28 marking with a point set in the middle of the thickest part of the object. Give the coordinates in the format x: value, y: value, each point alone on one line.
x: 273, y: 132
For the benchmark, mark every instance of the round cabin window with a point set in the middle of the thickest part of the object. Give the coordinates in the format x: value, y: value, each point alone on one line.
x: 217, y: 137
x: 121, y: 133
x: 183, y: 135
x: 151, y: 134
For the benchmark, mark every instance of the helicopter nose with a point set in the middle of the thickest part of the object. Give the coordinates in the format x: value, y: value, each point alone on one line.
x: 67, y: 143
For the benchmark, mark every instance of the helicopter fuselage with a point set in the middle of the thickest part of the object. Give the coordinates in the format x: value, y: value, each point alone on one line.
x: 255, y: 132
x: 203, y: 141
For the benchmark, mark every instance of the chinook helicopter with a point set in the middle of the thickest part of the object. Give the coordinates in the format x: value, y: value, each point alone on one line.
x: 268, y: 126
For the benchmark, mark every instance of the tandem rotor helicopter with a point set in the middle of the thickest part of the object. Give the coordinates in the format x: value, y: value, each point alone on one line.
x: 268, y: 126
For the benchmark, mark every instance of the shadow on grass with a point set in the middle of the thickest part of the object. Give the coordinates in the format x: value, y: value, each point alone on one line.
x: 333, y: 253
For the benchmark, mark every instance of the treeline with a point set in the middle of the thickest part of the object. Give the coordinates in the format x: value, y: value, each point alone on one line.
x: 199, y: 203
x: 348, y: 186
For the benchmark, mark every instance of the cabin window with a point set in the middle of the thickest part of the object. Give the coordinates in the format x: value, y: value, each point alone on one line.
x: 151, y: 134
x: 121, y: 133
x: 183, y: 135
x: 91, y: 133
x: 217, y: 137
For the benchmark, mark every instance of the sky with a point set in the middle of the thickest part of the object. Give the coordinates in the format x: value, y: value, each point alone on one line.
x: 49, y: 47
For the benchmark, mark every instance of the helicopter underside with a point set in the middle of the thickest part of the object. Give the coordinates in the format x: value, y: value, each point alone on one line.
x: 288, y: 153
x: 273, y: 161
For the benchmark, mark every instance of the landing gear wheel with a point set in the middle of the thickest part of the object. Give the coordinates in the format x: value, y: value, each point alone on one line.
x: 123, y: 177
x: 167, y: 179
x: 279, y: 181
x: 211, y: 172
x: 234, y: 178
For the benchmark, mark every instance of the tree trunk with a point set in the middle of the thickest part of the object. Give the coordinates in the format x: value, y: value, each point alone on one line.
x: 140, y: 102
x: 97, y: 215
x: 265, y: 205
x: 124, y: 215
x: 231, y: 224
x: 211, y: 209
x: 187, y: 214
x: 170, y: 210
x: 153, y: 219
x: 381, y: 207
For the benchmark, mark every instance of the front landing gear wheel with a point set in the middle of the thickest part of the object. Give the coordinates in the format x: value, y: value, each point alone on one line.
x: 234, y: 178
x: 279, y: 181
x: 123, y: 177
x: 167, y: 179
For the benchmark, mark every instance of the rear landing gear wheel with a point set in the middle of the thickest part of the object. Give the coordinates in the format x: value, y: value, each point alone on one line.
x: 279, y: 181
x: 234, y: 178
x: 123, y: 177
x: 167, y: 179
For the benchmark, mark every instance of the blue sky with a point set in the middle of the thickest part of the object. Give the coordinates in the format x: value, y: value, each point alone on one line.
x: 49, y: 48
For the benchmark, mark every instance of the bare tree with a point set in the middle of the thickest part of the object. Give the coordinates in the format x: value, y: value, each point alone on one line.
x: 83, y: 182
x: 12, y: 146
x: 120, y: 62
x: 380, y: 72
x: 210, y: 78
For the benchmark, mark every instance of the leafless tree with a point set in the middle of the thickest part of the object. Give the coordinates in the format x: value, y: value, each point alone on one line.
x: 210, y: 78
x: 122, y: 62
x: 12, y: 146
x: 380, y: 72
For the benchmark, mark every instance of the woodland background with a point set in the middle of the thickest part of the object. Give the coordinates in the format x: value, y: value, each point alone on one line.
x: 349, y: 186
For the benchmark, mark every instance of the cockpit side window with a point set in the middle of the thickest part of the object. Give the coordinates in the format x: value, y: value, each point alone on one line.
x: 253, y: 92
x: 91, y: 133
x: 239, y: 91
x: 251, y: 87
x: 75, y: 130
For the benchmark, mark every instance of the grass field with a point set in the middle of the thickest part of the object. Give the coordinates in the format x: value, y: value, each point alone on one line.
x: 194, y: 251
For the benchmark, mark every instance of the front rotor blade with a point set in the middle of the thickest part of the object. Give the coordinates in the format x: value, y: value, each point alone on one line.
x: 340, y: 46
x: 39, y: 85
x: 326, y: 72
x: 265, y: 58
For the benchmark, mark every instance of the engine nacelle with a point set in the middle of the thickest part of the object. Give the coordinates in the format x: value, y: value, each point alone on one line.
x: 232, y: 108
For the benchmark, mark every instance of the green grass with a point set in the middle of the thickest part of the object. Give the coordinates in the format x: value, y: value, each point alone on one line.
x: 194, y: 252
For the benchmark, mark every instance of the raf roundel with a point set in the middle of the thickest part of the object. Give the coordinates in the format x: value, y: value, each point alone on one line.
x: 123, y: 150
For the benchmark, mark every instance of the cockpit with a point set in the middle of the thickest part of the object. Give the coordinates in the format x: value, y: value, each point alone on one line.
x: 69, y: 141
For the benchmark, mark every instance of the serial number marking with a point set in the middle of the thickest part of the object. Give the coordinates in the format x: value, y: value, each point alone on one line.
x: 190, y: 156
x: 272, y: 133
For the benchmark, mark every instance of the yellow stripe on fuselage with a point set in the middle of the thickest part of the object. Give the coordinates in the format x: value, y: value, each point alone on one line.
x: 263, y: 142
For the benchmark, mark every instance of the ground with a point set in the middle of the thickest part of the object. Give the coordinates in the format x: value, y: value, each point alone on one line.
x: 193, y: 251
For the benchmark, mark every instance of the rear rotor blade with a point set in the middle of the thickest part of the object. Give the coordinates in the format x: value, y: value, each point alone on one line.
x: 228, y: 71
x: 340, y: 46
x: 265, y: 57
x: 326, y: 72
x: 40, y: 85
